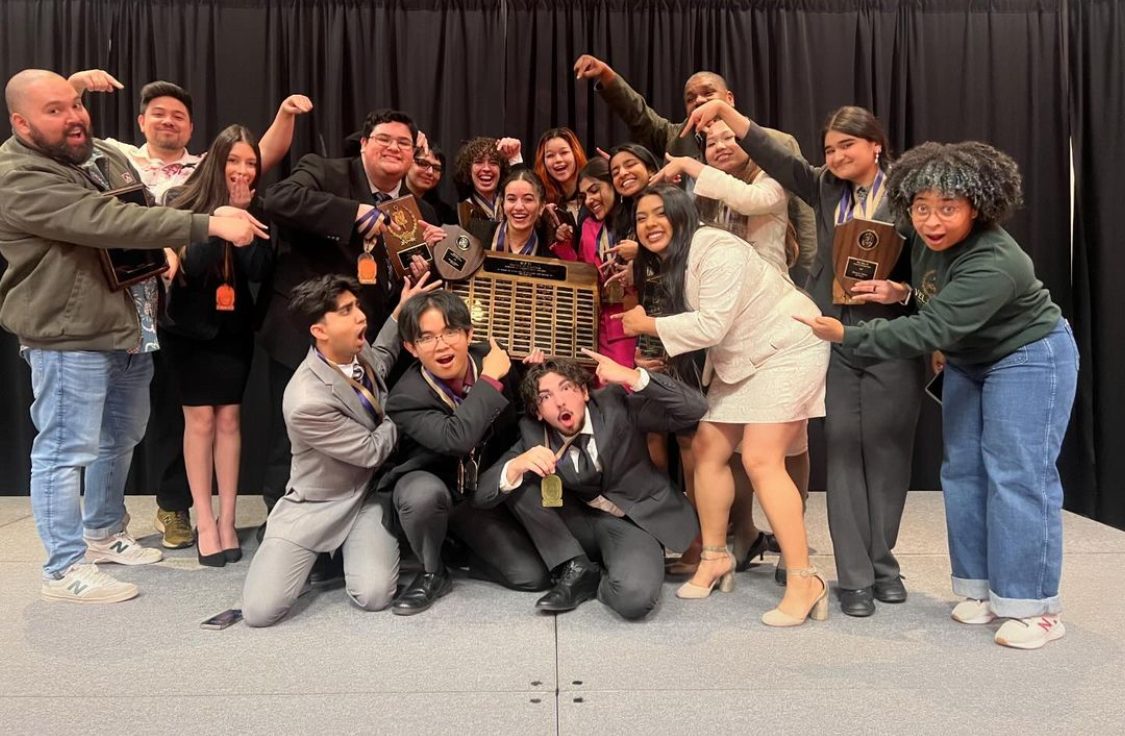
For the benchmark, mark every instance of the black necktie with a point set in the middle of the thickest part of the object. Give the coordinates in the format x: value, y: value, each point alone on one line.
x: 586, y: 469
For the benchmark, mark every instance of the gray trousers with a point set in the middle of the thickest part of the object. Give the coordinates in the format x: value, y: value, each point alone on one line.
x: 872, y: 410
x: 280, y: 568
x: 633, y: 559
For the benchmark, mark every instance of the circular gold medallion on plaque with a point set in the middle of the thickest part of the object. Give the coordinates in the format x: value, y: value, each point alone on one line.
x: 867, y: 240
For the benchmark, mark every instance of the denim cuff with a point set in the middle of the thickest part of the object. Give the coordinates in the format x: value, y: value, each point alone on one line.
x: 967, y: 588
x: 105, y: 532
x: 1025, y: 607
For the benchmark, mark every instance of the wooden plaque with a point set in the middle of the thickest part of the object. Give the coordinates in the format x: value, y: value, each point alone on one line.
x: 862, y: 250
x: 124, y: 267
x: 458, y: 255
x: 403, y: 233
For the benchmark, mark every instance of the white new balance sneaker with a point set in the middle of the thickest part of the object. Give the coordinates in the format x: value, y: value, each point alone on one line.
x: 84, y: 583
x: 121, y: 549
x: 1029, y: 633
x: 972, y: 611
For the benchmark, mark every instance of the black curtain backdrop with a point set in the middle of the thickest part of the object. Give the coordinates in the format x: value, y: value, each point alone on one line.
x: 946, y: 70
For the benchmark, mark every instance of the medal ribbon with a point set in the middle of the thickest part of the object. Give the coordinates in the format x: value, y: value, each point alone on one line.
x: 845, y: 210
x: 450, y: 397
x: 366, y: 397
x: 498, y: 243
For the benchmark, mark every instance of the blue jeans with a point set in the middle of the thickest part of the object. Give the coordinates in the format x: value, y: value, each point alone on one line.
x: 1003, y: 426
x: 91, y: 409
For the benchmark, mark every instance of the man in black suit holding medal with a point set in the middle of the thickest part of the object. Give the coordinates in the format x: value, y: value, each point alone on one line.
x: 326, y: 215
x: 592, y: 447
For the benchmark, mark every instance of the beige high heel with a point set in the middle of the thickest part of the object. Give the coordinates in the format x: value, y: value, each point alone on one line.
x: 818, y: 611
x: 725, y: 581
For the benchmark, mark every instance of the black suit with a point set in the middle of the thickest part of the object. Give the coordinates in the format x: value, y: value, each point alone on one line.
x: 423, y: 482
x: 656, y: 512
x: 314, y: 211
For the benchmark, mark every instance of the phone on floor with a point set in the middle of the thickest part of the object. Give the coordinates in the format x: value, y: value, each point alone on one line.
x: 223, y: 620
x: 933, y: 388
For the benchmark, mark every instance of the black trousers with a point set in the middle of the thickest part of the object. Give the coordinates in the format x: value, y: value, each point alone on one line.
x: 166, y: 430
x: 499, y: 547
x: 872, y: 409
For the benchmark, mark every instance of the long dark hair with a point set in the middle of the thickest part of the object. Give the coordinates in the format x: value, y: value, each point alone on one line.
x: 681, y: 213
x: 861, y: 123
x: 598, y: 168
x: 623, y: 214
x: 207, y: 188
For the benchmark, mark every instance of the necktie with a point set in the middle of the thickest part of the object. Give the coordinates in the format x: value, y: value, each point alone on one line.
x: 586, y: 470
x: 357, y: 373
x: 381, y: 197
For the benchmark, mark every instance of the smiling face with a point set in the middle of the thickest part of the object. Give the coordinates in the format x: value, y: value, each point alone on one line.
x: 166, y: 124
x: 442, y: 350
x: 522, y: 205
x: 705, y: 86
x: 723, y: 151
x: 598, y: 196
x: 242, y: 164
x: 942, y: 221
x: 850, y: 157
x: 52, y: 118
x: 558, y: 157
x: 425, y: 173
x: 654, y: 229
x: 342, y: 333
x: 486, y: 175
x: 629, y: 173
x: 387, y: 153
x: 561, y: 404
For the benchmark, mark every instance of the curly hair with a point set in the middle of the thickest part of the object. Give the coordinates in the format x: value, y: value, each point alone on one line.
x: 988, y: 178
x: 568, y: 369
x: 470, y: 151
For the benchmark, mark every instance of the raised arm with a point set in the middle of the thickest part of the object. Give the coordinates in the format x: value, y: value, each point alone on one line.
x: 278, y: 137
x: 646, y: 126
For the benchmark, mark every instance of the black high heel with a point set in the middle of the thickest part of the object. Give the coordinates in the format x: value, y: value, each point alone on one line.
x: 219, y: 559
x: 234, y: 554
x: 757, y: 549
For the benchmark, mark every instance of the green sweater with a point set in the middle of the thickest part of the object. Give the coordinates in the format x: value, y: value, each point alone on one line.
x: 977, y: 302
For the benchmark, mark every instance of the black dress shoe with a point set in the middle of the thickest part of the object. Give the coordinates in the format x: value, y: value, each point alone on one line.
x: 857, y: 603
x: 234, y: 554
x: 757, y: 549
x: 890, y: 591
x: 578, y: 582
x: 426, y: 588
x: 327, y: 568
x: 219, y: 559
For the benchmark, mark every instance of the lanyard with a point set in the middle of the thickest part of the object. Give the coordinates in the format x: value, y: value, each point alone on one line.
x: 528, y: 248
x: 370, y: 403
x: 489, y: 209
x: 450, y: 397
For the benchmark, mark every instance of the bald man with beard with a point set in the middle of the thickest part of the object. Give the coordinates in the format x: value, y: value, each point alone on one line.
x: 89, y: 347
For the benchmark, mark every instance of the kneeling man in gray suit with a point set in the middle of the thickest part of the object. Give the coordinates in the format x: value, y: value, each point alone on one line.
x: 333, y: 409
x: 592, y: 446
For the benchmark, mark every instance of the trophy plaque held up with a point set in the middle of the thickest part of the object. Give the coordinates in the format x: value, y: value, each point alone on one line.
x: 862, y: 250
x: 528, y: 302
x: 403, y: 233
x: 125, y: 267
x: 458, y: 255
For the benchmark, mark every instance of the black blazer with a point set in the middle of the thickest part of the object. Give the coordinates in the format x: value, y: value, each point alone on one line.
x: 313, y: 213
x: 433, y: 437
x: 621, y: 421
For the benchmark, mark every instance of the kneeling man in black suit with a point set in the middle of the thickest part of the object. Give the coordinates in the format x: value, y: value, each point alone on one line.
x: 619, y: 507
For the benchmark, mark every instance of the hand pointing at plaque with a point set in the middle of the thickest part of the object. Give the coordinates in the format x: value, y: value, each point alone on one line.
x: 610, y: 371
x: 636, y: 322
x: 497, y: 363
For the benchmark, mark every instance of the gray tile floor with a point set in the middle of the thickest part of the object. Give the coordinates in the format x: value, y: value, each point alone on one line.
x: 482, y: 662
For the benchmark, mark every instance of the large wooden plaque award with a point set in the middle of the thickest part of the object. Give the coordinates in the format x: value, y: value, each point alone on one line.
x: 124, y: 267
x: 403, y: 234
x: 862, y: 250
x: 528, y: 302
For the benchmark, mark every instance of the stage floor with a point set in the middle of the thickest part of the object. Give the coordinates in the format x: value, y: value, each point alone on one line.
x: 482, y: 662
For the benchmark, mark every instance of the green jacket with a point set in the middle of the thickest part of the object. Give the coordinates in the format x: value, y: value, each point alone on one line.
x: 660, y: 135
x: 53, y: 220
x: 979, y: 301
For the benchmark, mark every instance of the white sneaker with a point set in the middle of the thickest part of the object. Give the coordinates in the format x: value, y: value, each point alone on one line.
x: 972, y: 611
x: 83, y: 583
x: 122, y: 549
x: 1030, y: 633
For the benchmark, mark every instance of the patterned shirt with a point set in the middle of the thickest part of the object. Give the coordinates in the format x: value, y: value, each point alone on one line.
x: 158, y: 175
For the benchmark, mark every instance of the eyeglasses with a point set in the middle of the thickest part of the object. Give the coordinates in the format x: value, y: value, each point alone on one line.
x: 385, y: 141
x: 448, y: 336
x: 423, y: 164
x: 921, y: 211
x: 566, y: 387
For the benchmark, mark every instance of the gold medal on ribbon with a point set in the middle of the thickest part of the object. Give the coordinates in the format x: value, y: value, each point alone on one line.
x: 224, y: 298
x: 367, y: 271
x: 551, y: 490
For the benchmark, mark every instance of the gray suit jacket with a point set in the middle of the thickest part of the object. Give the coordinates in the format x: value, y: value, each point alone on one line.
x: 337, y: 446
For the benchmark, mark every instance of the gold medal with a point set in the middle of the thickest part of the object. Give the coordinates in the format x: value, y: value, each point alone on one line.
x: 224, y: 298
x: 367, y: 271
x: 550, y: 490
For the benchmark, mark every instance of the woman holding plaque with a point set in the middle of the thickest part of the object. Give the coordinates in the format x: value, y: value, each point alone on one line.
x: 208, y: 333
x: 872, y: 402
x: 1008, y: 384
x: 481, y: 165
x: 765, y: 380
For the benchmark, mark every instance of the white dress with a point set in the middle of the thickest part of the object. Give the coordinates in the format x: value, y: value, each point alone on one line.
x: 762, y: 366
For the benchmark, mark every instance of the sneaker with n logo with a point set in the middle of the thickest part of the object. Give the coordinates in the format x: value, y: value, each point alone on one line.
x: 1029, y: 633
x: 121, y: 549
x: 84, y: 583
